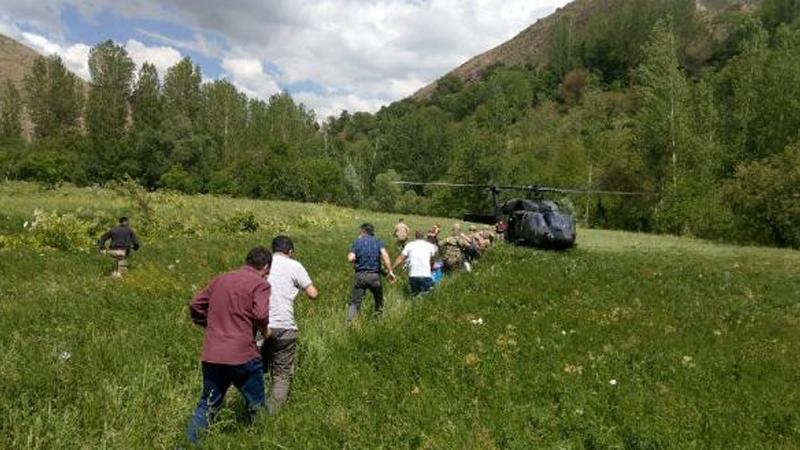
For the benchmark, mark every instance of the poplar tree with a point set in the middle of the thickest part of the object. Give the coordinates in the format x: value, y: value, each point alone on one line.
x: 111, y: 70
x: 10, y: 112
x: 54, y: 97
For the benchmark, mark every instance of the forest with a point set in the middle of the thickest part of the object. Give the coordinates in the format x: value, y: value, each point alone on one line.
x: 699, y: 111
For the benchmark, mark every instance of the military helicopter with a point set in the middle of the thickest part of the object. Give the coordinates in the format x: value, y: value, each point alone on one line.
x: 531, y: 221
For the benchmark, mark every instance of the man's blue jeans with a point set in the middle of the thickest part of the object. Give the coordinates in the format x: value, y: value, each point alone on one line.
x: 420, y: 285
x: 247, y: 378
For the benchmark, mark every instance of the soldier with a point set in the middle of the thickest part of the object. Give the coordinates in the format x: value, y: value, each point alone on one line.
x: 123, y: 239
x: 468, y: 245
x: 401, y: 233
x: 452, y: 254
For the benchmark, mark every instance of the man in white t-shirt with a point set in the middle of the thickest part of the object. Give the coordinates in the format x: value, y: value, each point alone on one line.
x: 419, y: 255
x: 287, y: 278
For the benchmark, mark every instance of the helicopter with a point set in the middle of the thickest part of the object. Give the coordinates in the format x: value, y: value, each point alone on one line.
x: 532, y: 221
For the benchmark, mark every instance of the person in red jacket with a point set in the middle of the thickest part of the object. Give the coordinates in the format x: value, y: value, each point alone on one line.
x: 231, y: 309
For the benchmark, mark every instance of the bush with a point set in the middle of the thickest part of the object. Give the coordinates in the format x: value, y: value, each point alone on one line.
x: 765, y: 197
x: 241, y: 222
x: 63, y: 232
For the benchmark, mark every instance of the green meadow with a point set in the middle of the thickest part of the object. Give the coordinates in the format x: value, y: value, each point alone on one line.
x: 629, y: 341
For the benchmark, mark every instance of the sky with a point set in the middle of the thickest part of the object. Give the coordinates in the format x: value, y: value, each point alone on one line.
x: 331, y: 55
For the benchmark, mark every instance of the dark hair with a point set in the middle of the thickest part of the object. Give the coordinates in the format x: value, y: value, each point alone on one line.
x: 258, y: 258
x: 420, y: 234
x: 282, y: 244
x: 123, y: 219
x: 368, y: 228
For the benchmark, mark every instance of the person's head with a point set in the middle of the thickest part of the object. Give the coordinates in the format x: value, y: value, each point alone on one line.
x: 420, y: 234
x: 367, y: 229
x: 260, y: 259
x: 456, y: 229
x: 473, y: 228
x: 124, y: 221
x: 283, y: 244
x: 400, y: 220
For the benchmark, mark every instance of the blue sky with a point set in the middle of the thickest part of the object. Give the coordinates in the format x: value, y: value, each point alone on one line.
x: 330, y: 54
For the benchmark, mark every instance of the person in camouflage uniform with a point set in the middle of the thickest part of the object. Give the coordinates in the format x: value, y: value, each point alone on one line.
x: 452, y: 254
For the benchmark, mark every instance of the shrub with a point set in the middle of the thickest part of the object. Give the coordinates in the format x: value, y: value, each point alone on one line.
x: 63, y: 232
x: 241, y: 222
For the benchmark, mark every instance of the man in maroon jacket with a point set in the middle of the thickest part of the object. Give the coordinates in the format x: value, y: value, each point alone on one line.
x: 231, y: 309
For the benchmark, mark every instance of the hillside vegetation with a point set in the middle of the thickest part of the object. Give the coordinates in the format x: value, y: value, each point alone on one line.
x: 694, y: 103
x: 629, y: 341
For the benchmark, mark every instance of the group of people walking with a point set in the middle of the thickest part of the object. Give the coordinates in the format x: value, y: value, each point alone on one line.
x: 248, y: 314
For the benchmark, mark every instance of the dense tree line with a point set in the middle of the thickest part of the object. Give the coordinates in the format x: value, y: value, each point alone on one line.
x: 701, y: 113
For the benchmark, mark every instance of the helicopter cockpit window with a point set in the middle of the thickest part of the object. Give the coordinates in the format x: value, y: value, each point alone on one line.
x: 557, y: 221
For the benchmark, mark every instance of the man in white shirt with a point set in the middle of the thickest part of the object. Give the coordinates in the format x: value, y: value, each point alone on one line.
x: 287, y: 278
x: 420, y: 257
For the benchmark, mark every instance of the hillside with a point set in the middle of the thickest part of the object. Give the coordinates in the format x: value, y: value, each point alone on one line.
x: 15, y: 60
x: 630, y: 341
x: 531, y: 45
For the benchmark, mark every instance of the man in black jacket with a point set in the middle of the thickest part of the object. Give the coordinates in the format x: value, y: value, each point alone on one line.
x: 123, y: 239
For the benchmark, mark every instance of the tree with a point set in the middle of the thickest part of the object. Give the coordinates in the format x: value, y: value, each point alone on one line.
x: 10, y: 112
x: 107, y: 109
x: 182, y: 90
x: 54, y: 97
x: 146, y: 103
x: 662, y: 121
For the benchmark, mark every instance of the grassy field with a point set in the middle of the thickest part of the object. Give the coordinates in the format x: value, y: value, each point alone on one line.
x: 629, y: 341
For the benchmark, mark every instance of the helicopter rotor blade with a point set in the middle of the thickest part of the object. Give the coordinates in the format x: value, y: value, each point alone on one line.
x: 441, y: 184
x: 530, y: 188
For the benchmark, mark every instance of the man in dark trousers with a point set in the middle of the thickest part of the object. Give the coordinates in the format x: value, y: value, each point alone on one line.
x: 366, y: 255
x: 287, y: 278
x: 123, y: 239
x: 231, y: 309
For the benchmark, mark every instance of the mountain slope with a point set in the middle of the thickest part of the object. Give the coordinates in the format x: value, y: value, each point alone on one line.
x: 532, y: 44
x: 15, y: 60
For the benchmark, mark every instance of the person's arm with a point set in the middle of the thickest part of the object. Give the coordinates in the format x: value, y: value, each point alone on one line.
x: 101, y: 244
x: 387, y: 262
x: 198, y: 309
x: 261, y: 307
x: 351, y: 255
x: 303, y: 281
x: 311, y: 292
x: 134, y: 240
x: 401, y: 258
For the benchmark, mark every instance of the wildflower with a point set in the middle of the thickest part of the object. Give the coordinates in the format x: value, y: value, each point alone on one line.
x: 717, y: 333
x: 25, y: 225
x: 64, y: 356
x: 415, y: 391
x: 478, y: 321
x: 612, y: 382
x: 563, y: 333
x: 171, y: 266
x: 472, y: 359
x: 577, y: 370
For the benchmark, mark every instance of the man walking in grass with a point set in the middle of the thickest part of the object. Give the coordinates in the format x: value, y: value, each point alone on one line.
x: 123, y: 240
x: 230, y: 310
x: 287, y: 278
x: 420, y: 257
x: 366, y: 254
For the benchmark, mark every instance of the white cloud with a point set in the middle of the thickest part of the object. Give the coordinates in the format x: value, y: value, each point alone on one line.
x: 362, y: 53
x: 161, y: 57
x: 75, y: 56
x: 248, y: 75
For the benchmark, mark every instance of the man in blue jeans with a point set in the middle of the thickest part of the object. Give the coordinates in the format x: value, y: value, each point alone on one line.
x: 419, y: 256
x: 230, y: 309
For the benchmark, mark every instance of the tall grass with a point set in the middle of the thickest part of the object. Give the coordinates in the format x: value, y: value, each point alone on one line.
x: 701, y: 341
